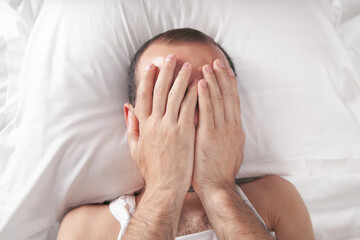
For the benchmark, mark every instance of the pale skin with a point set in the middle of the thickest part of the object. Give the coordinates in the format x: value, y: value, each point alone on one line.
x: 172, y: 151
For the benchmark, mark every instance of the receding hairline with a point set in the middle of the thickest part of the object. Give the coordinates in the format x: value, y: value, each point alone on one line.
x: 177, y: 36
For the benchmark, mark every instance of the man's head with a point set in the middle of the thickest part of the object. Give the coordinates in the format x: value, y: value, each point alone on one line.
x: 187, y: 44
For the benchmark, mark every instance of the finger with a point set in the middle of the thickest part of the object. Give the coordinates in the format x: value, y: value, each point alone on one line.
x: 224, y: 82
x: 215, y: 95
x: 133, y: 134
x: 144, y: 92
x: 163, y: 83
x: 235, y: 95
x: 188, y: 106
x: 206, y: 111
x: 177, y: 92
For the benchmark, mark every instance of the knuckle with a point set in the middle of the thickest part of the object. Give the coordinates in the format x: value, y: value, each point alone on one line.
x: 159, y: 91
x: 235, y: 98
x: 239, y: 131
x: 242, y: 136
x: 208, y: 109
x: 187, y: 107
x: 143, y: 95
x: 218, y: 98
x: 171, y: 131
x: 173, y: 93
x: 233, y: 128
x: 237, y: 119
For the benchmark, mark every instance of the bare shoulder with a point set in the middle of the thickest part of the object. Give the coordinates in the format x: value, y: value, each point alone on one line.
x: 89, y: 222
x: 272, y: 187
x: 281, y: 207
x: 267, y: 195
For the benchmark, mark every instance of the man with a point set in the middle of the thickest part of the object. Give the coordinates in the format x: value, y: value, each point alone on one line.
x: 185, y: 130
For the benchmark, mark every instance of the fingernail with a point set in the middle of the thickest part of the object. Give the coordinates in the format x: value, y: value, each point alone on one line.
x: 220, y: 63
x: 208, y: 68
x: 170, y: 57
x: 149, y: 67
x: 203, y: 83
x: 230, y: 71
x: 186, y: 65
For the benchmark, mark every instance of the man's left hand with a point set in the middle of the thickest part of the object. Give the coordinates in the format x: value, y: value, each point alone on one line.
x: 220, y: 138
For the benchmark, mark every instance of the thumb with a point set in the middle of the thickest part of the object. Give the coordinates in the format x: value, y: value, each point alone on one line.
x: 133, y: 134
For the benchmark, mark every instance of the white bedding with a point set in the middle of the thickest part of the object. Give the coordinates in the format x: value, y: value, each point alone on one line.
x: 63, y: 82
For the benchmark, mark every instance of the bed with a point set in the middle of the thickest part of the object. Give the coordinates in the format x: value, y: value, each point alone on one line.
x: 63, y: 82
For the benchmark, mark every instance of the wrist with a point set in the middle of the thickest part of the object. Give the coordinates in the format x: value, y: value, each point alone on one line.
x: 209, y: 188
x: 217, y: 194
x: 167, y: 187
x: 162, y: 208
x: 164, y: 194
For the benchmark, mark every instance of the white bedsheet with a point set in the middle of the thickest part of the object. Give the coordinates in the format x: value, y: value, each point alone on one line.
x: 330, y: 186
x: 333, y: 202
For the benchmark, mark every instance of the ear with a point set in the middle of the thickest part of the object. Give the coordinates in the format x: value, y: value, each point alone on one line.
x: 128, y: 108
x: 132, y: 124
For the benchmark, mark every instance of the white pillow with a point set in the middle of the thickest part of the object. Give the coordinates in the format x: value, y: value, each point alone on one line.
x: 349, y: 29
x: 348, y: 8
x: 296, y: 83
x: 345, y: 14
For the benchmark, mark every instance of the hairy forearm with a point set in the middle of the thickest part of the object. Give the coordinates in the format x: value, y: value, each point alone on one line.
x: 157, y: 216
x: 230, y: 217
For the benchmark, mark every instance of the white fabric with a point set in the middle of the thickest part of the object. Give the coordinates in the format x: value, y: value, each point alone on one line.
x: 205, y: 235
x: 123, y: 208
x: 63, y: 83
x: 334, y: 204
x: 349, y: 29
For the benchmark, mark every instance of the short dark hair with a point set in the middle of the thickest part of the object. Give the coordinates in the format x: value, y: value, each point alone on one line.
x: 174, y: 36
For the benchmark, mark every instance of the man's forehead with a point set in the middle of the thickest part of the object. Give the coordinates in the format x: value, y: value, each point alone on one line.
x: 198, y: 54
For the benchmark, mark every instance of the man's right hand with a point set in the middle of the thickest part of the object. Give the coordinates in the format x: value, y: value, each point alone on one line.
x: 162, y: 134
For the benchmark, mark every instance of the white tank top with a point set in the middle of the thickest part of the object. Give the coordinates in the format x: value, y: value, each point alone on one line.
x: 123, y: 208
